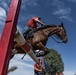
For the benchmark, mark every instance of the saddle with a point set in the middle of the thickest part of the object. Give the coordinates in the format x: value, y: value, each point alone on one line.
x: 28, y: 34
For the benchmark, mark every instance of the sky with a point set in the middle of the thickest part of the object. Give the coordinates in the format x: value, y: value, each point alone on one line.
x: 51, y: 12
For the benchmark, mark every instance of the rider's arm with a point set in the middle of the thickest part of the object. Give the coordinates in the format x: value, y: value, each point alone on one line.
x: 37, y: 20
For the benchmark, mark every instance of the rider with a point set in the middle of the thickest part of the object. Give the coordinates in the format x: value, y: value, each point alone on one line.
x: 32, y: 24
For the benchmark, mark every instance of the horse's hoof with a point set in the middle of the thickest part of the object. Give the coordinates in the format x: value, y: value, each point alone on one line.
x: 38, y: 55
x: 48, y: 51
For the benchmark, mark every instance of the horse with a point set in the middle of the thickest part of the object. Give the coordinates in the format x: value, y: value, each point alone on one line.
x: 41, y: 35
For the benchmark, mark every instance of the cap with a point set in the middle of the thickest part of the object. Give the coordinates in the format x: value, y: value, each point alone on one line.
x: 37, y: 17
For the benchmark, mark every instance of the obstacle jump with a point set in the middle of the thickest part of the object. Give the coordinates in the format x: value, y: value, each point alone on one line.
x: 9, y: 32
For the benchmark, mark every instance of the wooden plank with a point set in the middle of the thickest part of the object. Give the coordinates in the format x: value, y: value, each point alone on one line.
x: 7, y: 36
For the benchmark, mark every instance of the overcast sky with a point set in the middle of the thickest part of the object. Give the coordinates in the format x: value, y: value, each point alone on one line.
x: 51, y: 12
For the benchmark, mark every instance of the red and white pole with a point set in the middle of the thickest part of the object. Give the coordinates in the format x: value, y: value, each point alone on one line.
x: 7, y: 38
x: 25, y: 46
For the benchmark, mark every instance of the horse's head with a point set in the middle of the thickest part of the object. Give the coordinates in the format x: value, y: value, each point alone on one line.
x: 62, y: 33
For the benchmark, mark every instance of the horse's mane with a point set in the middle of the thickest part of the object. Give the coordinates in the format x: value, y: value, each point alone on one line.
x: 46, y: 26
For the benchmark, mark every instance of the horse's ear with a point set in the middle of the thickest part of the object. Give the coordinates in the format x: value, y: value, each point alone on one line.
x: 62, y: 24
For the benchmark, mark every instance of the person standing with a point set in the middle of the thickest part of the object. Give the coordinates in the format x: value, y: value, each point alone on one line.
x: 37, y: 69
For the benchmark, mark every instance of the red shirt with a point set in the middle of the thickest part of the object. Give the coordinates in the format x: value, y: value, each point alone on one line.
x: 32, y: 23
x: 37, y: 66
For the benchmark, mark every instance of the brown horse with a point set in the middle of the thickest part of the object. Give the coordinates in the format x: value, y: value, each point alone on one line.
x: 39, y: 41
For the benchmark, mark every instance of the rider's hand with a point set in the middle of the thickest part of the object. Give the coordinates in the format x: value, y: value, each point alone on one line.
x: 42, y: 25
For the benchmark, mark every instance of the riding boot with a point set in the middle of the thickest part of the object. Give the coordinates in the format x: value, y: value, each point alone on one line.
x: 25, y: 34
x: 31, y: 34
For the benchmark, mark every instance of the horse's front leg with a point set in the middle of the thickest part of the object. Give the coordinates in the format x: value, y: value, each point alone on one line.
x: 42, y: 47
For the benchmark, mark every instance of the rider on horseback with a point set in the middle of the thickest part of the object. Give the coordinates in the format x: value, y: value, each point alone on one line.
x: 32, y: 25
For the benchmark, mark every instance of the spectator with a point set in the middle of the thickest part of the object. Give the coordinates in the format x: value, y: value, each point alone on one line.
x: 37, y: 69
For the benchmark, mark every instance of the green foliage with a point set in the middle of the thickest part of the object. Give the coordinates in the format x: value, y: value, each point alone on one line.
x: 55, y: 63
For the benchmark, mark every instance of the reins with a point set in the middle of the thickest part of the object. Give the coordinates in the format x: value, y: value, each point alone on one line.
x: 56, y: 40
x: 57, y: 37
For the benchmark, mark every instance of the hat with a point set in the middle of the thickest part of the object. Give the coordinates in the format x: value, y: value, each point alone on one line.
x: 37, y: 17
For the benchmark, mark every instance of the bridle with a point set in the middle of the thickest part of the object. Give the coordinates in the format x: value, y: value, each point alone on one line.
x: 57, y: 37
x: 56, y: 40
x: 54, y: 32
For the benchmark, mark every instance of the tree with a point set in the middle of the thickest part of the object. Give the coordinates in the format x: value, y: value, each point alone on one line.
x: 55, y: 63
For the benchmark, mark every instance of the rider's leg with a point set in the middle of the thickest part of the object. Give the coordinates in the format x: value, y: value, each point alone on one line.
x: 25, y: 31
x: 30, y: 32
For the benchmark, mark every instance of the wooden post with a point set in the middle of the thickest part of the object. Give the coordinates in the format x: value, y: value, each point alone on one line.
x: 43, y: 65
x: 6, y: 40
